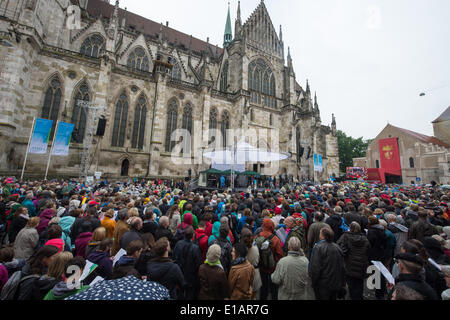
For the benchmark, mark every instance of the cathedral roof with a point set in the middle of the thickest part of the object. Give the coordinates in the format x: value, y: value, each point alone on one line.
x: 100, y: 8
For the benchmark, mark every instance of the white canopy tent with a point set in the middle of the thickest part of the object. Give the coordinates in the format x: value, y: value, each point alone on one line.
x: 236, y: 158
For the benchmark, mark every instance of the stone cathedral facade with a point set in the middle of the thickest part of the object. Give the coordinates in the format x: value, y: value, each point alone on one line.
x: 152, y: 80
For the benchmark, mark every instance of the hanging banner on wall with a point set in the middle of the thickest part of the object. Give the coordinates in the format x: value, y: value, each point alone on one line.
x: 318, y: 162
x: 62, y: 139
x: 390, y: 156
x: 41, y: 135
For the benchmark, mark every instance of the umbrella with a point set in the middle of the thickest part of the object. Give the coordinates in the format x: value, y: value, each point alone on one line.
x: 128, y: 288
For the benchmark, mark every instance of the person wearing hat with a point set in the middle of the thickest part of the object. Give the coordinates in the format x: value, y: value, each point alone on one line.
x: 410, y: 266
x: 212, y: 277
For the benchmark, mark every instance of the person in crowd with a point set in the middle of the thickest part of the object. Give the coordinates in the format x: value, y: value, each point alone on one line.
x: 42, y: 285
x: 125, y: 266
x: 241, y: 274
x: 189, y: 257
x: 410, y: 266
x: 19, y: 222
x: 267, y: 267
x: 149, y: 224
x: 100, y: 255
x: 225, y: 244
x: 83, y: 239
x: 165, y: 271
x: 253, y: 258
x: 314, y: 229
x: 27, y: 240
x: 55, y: 237
x: 121, y: 228
x: 327, y: 267
x: 291, y: 274
x: 212, y: 277
x: 355, y: 248
x: 296, y: 229
x: 67, y: 286
x: 98, y: 236
x: 422, y: 228
x: 445, y: 295
x: 174, y: 218
x: 109, y: 223
x: 201, y: 238
x: 403, y: 292
x: 163, y: 231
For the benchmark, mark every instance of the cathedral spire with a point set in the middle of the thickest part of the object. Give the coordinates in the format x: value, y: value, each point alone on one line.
x: 281, y: 33
x: 289, y: 59
x: 114, y: 22
x: 238, y: 24
x: 228, y: 37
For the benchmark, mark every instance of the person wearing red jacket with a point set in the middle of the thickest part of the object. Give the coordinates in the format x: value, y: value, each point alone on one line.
x: 268, y: 227
x: 201, y: 238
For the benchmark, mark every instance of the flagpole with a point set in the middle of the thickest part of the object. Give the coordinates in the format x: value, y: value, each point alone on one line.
x: 28, y: 147
x: 51, y: 149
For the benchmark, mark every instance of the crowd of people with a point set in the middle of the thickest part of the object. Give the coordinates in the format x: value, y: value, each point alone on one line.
x: 296, y: 242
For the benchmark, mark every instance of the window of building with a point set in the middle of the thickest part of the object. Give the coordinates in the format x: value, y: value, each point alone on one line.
x: 176, y: 70
x: 120, y: 121
x: 140, y: 116
x: 187, y: 125
x: 138, y: 60
x: 224, y: 78
x: 80, y: 113
x: 261, y: 84
x: 52, y: 102
x: 411, y: 162
x: 377, y: 163
x: 93, y: 46
x: 172, y: 116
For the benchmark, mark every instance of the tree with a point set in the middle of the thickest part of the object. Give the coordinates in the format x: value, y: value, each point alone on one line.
x: 350, y: 148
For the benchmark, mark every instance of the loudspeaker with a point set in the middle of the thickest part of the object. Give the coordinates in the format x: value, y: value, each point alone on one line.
x: 309, y: 153
x: 101, y: 127
x: 301, y: 152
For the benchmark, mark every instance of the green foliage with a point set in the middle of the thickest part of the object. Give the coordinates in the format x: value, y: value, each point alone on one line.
x: 350, y: 148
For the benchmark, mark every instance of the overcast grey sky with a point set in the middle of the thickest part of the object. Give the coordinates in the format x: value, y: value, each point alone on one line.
x: 368, y: 60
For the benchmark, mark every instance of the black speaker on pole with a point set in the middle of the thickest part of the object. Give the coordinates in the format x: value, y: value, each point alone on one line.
x: 101, y: 127
x: 301, y: 152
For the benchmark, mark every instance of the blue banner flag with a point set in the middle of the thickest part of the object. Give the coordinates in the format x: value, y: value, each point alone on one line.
x: 41, y: 136
x: 62, y: 139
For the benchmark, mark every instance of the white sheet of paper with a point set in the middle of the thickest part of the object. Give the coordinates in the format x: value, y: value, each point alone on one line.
x: 118, y: 255
x: 380, y: 266
x: 86, y: 270
x: 96, y: 280
x: 435, y: 264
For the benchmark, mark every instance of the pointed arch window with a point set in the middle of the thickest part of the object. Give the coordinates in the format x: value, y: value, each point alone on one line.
x: 187, y: 125
x: 261, y: 83
x: 176, y: 70
x: 52, y: 102
x: 411, y: 162
x: 225, y: 125
x: 140, y: 116
x: 138, y: 60
x: 80, y: 113
x: 93, y: 46
x: 120, y: 121
x: 224, y: 78
x: 172, y: 115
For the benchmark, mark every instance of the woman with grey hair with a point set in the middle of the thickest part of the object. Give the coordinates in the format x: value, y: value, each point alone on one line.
x: 291, y: 273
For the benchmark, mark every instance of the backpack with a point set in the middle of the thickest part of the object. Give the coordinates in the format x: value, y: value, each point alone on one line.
x: 10, y: 289
x: 266, y: 258
x: 197, y: 240
x: 225, y: 253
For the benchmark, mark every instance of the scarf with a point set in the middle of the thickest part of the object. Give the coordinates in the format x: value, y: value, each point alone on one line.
x: 238, y: 261
x: 212, y: 264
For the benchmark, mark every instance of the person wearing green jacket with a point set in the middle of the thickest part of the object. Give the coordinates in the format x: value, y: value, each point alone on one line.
x: 188, y: 208
x: 69, y: 286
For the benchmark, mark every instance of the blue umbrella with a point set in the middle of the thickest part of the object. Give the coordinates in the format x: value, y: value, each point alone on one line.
x: 128, y: 288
